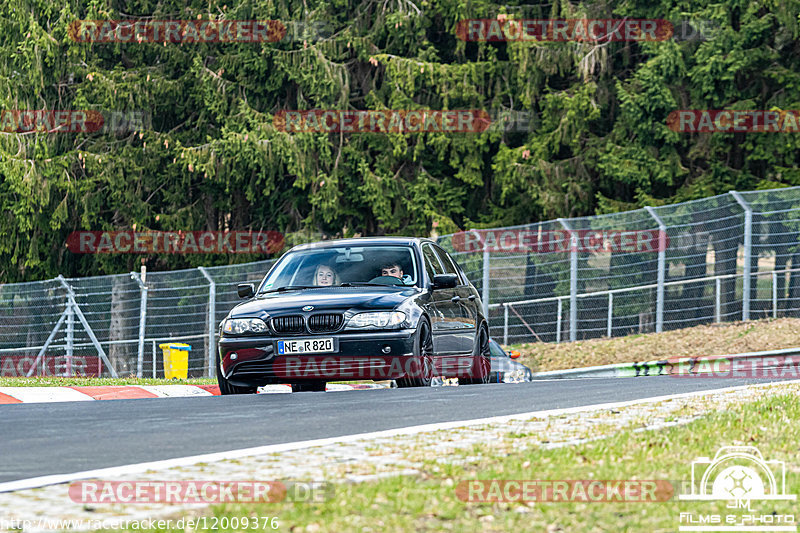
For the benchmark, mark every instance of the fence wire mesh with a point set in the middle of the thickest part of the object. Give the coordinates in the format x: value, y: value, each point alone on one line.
x: 723, y: 258
x: 698, y: 276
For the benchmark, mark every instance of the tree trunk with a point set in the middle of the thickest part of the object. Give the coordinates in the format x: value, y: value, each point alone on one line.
x: 117, y: 353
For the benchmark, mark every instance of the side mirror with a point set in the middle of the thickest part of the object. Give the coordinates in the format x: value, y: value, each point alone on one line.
x: 245, y: 290
x: 445, y: 281
x: 513, y: 354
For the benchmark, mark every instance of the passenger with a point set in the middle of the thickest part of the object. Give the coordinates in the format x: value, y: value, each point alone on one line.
x: 392, y: 269
x: 325, y: 276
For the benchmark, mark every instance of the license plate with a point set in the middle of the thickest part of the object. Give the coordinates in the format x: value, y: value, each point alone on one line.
x: 296, y: 346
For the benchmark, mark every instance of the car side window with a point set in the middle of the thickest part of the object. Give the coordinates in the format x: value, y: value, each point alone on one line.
x: 432, y: 265
x: 449, y: 267
x: 464, y: 278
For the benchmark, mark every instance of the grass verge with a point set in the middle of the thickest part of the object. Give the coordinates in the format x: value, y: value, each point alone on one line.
x: 429, y: 502
x: 713, y: 339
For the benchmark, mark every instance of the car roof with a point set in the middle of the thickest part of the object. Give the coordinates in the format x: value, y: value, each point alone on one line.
x: 363, y: 241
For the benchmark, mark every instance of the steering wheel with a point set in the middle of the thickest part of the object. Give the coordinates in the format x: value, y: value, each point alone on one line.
x: 387, y: 280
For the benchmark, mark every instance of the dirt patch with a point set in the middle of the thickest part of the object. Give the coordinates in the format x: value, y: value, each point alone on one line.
x: 714, y: 339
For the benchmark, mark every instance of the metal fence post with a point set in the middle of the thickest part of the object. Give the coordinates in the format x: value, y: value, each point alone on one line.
x: 774, y: 294
x: 140, y: 279
x: 212, y: 308
x: 154, y: 359
x: 573, y: 281
x: 505, y: 324
x: 748, y: 250
x: 662, y: 261
x: 485, y: 288
x: 84, y: 323
x: 718, y: 300
x: 70, y: 338
x: 610, y: 313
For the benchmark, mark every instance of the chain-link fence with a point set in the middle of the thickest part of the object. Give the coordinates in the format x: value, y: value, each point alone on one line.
x: 89, y: 326
x: 729, y: 257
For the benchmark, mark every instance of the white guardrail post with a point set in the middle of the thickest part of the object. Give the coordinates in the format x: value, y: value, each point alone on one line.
x: 662, y: 261
x: 748, y: 251
x: 212, y: 309
x: 141, y: 280
x: 573, y: 281
x: 558, y: 321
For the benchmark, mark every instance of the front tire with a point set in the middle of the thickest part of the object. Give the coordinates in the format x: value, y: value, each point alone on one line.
x: 481, y: 372
x: 225, y: 387
x: 423, y: 358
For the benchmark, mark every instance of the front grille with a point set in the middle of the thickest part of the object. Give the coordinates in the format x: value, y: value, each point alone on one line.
x: 288, y: 324
x: 325, y: 322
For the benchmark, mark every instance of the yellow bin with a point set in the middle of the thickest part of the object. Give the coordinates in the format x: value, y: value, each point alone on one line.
x: 176, y: 360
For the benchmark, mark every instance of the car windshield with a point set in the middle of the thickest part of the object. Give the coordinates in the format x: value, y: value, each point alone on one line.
x: 496, y: 350
x: 343, y: 266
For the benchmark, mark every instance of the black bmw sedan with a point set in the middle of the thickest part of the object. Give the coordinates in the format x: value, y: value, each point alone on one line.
x: 356, y: 309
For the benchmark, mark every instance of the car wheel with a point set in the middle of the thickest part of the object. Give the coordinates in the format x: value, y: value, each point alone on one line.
x: 309, y: 386
x: 481, y: 362
x: 423, y: 358
x: 226, y: 387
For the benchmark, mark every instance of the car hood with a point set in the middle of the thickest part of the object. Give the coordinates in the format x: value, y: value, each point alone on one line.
x: 332, y: 298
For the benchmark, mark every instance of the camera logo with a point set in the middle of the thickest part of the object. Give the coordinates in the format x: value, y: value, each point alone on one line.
x: 739, y: 474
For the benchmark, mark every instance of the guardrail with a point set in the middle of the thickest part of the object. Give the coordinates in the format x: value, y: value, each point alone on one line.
x: 785, y: 359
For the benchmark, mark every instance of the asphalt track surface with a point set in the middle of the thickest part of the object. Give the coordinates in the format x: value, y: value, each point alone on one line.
x: 62, y: 438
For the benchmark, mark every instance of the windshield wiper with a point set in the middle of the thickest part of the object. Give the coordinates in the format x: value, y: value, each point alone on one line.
x: 292, y: 288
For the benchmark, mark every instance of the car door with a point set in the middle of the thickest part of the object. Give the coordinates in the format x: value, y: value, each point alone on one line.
x: 466, y: 302
x: 445, y: 312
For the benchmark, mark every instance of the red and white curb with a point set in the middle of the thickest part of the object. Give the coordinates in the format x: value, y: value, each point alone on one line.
x: 130, y: 392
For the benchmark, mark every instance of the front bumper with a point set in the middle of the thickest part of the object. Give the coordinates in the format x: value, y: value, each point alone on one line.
x: 360, y: 355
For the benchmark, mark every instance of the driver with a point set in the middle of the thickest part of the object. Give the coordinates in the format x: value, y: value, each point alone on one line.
x: 325, y: 276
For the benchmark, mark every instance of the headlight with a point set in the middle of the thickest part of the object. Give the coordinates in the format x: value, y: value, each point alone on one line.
x: 518, y: 375
x: 244, y: 325
x: 378, y: 320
